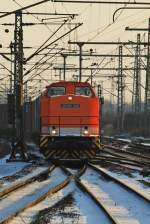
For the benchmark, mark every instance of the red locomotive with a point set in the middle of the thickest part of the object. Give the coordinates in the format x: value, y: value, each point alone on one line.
x: 69, y: 116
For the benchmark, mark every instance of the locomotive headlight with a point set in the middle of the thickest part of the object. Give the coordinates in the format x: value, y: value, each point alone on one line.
x: 69, y: 97
x: 53, y: 131
x: 86, y: 132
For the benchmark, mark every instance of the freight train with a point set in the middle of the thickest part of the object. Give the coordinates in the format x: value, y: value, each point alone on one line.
x: 69, y: 121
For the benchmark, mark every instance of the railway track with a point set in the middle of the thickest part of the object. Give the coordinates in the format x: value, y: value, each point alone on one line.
x: 22, y: 181
x: 123, y: 165
x: 56, y: 210
x: 117, y: 213
x: 106, y: 190
x: 100, y: 158
x: 130, y: 146
x: 131, y: 185
x: 92, y: 180
x: 84, y: 189
x: 24, y: 194
x: 130, y: 156
x: 30, y: 192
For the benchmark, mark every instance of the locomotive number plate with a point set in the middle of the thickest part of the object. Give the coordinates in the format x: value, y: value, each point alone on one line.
x: 70, y: 105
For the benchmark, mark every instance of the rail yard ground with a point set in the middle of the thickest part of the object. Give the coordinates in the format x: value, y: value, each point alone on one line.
x: 113, y: 190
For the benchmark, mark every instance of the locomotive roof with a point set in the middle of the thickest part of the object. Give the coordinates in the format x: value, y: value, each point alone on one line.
x: 65, y: 83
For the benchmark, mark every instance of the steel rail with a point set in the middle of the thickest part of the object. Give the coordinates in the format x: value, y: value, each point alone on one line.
x: 126, y: 152
x: 130, y: 153
x: 80, y: 172
x: 131, y: 144
x: 120, y: 159
x: 127, y: 155
x: 125, y: 165
x: 21, y: 183
x: 116, y: 160
x: 139, y: 146
x: 120, y: 182
x: 84, y: 189
x: 53, y: 190
x: 98, y: 202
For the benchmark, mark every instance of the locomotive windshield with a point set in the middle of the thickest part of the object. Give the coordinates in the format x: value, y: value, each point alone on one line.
x: 84, y: 91
x: 56, y: 91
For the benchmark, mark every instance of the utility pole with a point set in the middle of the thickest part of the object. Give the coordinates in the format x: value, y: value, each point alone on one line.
x: 147, y: 85
x: 11, y: 75
x: 120, y: 93
x: 112, y: 94
x: 101, y: 102
x: 136, y: 96
x: 60, y: 74
x: 91, y: 77
x: 18, y: 145
x: 10, y: 95
x: 64, y: 59
x: 80, y: 44
x: 80, y: 61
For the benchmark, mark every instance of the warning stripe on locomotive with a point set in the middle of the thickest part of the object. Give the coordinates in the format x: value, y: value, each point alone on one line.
x: 77, y: 154
x: 57, y: 154
x: 49, y: 154
x: 96, y: 142
x: 63, y: 154
x: 88, y: 153
x: 43, y: 141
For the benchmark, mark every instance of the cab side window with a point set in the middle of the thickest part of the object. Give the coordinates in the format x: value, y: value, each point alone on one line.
x: 56, y: 91
x: 83, y: 91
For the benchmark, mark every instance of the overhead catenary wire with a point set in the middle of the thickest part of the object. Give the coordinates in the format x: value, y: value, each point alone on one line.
x: 54, y: 42
x: 36, y: 17
x: 42, y: 46
x: 34, y: 75
x: 36, y: 64
x: 63, y: 35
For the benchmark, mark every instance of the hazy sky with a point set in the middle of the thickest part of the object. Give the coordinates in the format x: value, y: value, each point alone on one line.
x: 97, y: 26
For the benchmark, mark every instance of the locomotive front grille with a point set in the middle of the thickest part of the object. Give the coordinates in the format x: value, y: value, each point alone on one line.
x: 70, y: 132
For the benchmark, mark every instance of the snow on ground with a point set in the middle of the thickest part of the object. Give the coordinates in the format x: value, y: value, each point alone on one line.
x: 124, y: 140
x: 146, y: 144
x: 10, y: 168
x: 86, y: 210
x: 37, y: 171
x: 135, y: 176
x: 22, y: 197
x: 137, y: 207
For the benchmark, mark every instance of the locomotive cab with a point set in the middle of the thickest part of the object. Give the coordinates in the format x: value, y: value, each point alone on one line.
x: 69, y: 117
